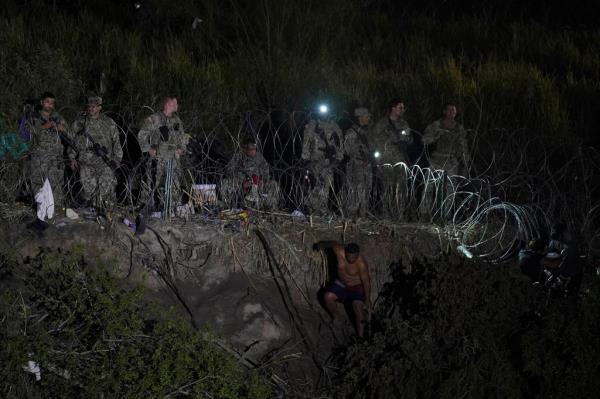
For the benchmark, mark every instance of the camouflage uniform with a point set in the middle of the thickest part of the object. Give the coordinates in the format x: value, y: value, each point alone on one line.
x: 450, y: 154
x: 241, y: 168
x: 392, y: 141
x: 323, y: 152
x: 359, y: 170
x: 47, y: 156
x: 451, y: 150
x: 166, y: 144
x: 97, y: 177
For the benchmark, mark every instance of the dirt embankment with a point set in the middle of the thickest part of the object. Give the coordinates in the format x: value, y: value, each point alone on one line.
x: 256, y: 284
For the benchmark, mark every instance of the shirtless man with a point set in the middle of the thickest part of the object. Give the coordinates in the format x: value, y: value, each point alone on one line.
x: 352, y: 284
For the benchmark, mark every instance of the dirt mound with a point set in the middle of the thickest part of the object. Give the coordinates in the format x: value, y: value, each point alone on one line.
x: 261, y: 295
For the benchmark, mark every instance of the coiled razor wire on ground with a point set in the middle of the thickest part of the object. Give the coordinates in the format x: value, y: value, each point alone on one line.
x: 517, y: 183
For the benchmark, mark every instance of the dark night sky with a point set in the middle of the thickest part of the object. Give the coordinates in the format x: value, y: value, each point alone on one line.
x: 577, y: 14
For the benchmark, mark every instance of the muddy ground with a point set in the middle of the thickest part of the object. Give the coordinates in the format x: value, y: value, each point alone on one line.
x: 261, y: 295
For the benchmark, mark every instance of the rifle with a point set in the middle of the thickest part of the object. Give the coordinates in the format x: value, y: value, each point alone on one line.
x: 63, y: 137
x: 365, y: 152
x: 168, y: 203
x: 329, y: 151
x: 98, y: 149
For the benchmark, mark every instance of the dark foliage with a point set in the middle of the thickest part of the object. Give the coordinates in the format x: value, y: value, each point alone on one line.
x: 506, y: 64
x: 449, y: 329
x: 93, y: 337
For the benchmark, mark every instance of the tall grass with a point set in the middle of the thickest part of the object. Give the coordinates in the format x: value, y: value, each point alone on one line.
x: 286, y: 54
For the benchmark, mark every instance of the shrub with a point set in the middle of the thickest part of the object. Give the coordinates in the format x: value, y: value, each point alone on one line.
x: 93, y: 337
x: 450, y: 328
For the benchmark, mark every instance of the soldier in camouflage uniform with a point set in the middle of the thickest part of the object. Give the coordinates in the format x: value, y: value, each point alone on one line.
x: 359, y: 168
x: 47, y: 150
x: 392, y: 139
x: 248, y: 181
x: 450, y: 138
x: 322, y: 151
x: 163, y: 142
x: 451, y: 155
x: 98, y: 154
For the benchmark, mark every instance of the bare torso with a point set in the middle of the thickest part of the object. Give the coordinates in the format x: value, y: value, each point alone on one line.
x: 348, y: 273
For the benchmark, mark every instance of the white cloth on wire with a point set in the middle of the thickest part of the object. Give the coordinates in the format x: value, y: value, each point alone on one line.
x: 45, y: 201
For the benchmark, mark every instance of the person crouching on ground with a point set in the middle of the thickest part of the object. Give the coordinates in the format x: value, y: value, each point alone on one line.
x: 352, y: 284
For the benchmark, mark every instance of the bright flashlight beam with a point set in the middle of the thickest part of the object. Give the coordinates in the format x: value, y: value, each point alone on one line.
x: 323, y: 108
x: 376, y: 154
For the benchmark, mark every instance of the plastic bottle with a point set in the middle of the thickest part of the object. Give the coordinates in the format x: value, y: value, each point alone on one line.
x: 463, y: 250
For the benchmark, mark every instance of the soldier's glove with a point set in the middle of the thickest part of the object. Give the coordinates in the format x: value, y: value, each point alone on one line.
x: 330, y: 153
x: 164, y: 133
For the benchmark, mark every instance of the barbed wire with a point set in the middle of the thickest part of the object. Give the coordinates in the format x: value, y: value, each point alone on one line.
x: 515, y: 187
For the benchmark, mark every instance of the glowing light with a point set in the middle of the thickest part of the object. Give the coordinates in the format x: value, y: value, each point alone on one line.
x: 377, y: 154
x: 404, y: 133
x: 463, y: 250
x: 323, y: 108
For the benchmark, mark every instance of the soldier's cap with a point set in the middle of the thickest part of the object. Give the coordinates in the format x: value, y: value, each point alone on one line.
x: 94, y: 100
x: 249, y: 143
x: 361, y: 111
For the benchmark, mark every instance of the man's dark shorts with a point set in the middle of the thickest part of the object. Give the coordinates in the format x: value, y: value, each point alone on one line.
x: 347, y: 294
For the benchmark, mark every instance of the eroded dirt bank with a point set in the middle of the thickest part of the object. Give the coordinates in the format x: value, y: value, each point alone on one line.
x: 257, y: 284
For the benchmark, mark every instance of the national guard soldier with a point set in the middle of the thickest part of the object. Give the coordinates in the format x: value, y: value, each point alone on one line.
x: 248, y: 180
x: 48, y: 132
x: 322, y: 151
x: 359, y: 167
x: 163, y: 142
x: 98, y: 154
x: 450, y: 139
x: 393, y: 138
x: 448, y: 154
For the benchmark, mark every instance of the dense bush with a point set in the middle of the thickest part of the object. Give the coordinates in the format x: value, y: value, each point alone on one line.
x: 93, y: 337
x: 449, y: 329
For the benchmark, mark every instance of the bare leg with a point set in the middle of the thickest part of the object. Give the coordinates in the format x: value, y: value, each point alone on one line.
x: 330, y: 304
x: 359, y: 317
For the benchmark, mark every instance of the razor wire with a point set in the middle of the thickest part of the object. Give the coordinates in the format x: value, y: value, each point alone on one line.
x: 516, y: 185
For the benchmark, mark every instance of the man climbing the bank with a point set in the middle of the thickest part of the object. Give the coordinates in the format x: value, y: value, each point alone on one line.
x: 352, y: 284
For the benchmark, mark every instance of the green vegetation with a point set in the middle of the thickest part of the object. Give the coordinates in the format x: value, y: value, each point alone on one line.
x: 285, y: 54
x: 447, y: 329
x: 457, y: 329
x: 93, y: 337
